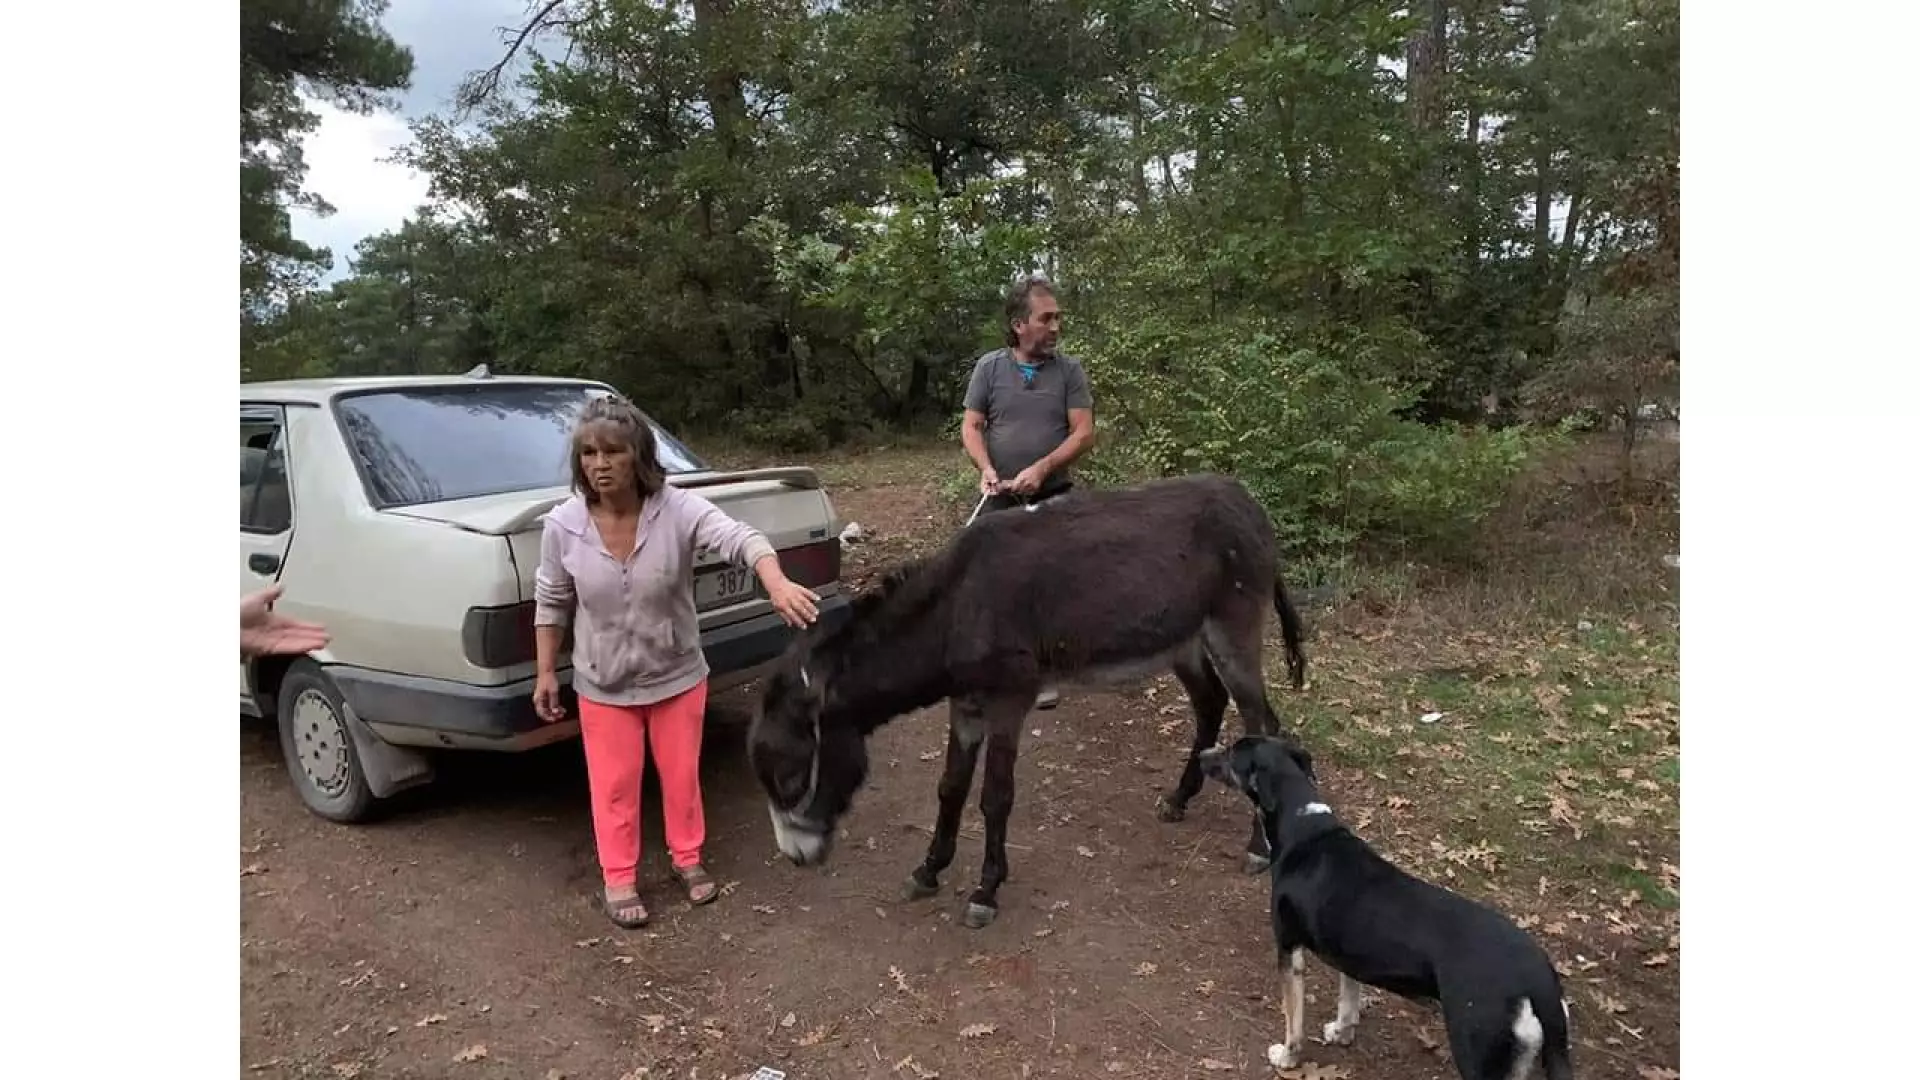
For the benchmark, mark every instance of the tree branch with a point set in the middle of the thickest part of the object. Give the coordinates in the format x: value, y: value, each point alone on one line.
x: 477, y: 88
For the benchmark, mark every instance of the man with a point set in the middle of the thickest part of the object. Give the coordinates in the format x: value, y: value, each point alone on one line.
x: 265, y: 632
x: 1029, y: 413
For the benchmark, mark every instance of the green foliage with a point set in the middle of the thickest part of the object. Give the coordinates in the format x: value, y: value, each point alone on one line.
x: 1318, y: 245
x: 918, y: 281
x: 330, y: 50
x: 1327, y: 452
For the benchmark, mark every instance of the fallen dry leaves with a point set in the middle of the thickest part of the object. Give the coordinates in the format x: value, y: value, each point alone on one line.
x: 919, y: 1071
x: 978, y: 1031
x: 1313, y: 1071
x: 815, y: 1037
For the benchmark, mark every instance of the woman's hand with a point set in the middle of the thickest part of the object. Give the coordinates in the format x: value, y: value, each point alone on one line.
x: 796, y: 603
x: 546, y: 698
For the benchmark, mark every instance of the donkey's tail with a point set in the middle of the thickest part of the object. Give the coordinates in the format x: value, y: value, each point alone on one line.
x: 1290, y: 632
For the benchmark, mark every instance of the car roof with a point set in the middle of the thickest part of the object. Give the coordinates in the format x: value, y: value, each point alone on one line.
x: 321, y: 391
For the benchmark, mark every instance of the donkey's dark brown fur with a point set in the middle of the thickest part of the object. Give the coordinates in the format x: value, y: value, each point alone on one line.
x: 1101, y: 587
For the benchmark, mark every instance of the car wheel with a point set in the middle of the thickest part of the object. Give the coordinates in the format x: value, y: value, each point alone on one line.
x: 319, y: 752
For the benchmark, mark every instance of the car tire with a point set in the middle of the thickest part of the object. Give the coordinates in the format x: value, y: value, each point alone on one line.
x: 321, y: 760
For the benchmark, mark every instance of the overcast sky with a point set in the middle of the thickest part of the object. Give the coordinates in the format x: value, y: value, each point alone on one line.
x: 449, y: 38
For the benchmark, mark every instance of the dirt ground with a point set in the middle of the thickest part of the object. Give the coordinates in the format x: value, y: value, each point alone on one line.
x: 458, y: 937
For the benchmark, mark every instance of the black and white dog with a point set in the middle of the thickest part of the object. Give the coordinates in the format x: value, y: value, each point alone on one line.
x: 1374, y: 923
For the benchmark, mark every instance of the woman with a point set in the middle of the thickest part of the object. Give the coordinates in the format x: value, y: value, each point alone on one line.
x: 616, y: 561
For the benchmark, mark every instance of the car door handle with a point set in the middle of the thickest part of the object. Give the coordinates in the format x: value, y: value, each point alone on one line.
x: 262, y: 563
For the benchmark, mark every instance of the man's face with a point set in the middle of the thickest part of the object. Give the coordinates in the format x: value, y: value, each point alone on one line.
x: 1039, y: 332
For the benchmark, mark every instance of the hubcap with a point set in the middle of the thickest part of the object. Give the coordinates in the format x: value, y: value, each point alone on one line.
x: 320, y: 742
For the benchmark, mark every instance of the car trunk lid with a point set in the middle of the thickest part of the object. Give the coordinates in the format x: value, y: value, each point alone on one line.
x: 786, y: 504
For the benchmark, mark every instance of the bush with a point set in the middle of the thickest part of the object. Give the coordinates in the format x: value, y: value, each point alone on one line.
x: 1324, y: 450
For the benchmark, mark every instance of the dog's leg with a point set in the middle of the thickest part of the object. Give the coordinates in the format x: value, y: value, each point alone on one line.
x: 996, y: 806
x: 966, y: 727
x: 1208, y: 696
x: 1339, y: 1032
x: 1293, y: 999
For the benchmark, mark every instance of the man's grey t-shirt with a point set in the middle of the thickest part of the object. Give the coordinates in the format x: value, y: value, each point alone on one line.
x: 1026, y: 419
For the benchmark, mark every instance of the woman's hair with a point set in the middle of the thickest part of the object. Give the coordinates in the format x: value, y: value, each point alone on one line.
x: 615, y: 420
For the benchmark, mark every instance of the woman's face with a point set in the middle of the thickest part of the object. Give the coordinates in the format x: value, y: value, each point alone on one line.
x: 607, y: 460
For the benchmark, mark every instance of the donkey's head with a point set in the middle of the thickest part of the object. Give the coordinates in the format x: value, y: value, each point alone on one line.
x: 809, y: 765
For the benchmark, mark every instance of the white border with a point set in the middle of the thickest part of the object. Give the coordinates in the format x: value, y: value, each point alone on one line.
x: 121, y: 800
x: 1799, y: 476
x: 121, y: 784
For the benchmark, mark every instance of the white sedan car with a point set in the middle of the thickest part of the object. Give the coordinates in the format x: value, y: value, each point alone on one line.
x: 405, y: 514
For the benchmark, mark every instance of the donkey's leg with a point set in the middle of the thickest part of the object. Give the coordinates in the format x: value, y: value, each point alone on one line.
x: 966, y: 727
x: 996, y: 806
x: 1208, y: 696
x: 1234, y: 649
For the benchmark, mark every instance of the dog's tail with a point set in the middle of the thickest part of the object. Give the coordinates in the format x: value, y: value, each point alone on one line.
x: 1290, y: 632
x: 1556, y: 1040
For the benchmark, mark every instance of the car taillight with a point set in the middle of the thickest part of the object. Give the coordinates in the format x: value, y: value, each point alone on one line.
x: 813, y: 565
x: 497, y: 637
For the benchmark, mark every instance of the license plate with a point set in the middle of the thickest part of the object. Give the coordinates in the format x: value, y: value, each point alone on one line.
x: 726, y: 585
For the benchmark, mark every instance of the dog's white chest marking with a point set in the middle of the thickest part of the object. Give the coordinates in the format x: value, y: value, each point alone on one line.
x: 1313, y: 808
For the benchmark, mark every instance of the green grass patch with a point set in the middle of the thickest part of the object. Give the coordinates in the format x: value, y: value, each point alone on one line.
x: 1552, y: 759
x: 1650, y: 890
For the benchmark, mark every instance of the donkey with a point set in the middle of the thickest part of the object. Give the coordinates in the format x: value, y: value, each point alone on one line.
x: 1102, y: 588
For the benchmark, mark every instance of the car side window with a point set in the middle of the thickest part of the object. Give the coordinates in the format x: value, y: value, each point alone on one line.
x: 266, y: 502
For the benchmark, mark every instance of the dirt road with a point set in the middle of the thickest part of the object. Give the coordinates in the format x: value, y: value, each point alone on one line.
x: 458, y: 938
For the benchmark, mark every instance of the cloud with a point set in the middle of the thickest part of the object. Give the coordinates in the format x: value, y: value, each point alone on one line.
x: 344, y: 153
x: 346, y: 165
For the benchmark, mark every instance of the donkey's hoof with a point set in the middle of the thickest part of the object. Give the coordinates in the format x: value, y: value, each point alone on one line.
x: 978, y: 915
x: 1168, y: 810
x: 915, y: 890
x: 1255, y: 864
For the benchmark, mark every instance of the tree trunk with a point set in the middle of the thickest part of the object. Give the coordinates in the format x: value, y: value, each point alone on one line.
x: 726, y: 98
x: 1141, y: 195
x: 1427, y: 69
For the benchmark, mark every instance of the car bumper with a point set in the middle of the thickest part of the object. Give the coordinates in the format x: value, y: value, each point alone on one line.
x: 412, y: 711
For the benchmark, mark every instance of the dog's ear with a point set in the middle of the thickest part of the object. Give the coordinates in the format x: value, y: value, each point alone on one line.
x: 1304, y: 758
x: 1264, y: 785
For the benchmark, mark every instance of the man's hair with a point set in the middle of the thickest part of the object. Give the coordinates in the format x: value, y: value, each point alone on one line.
x: 1019, y: 303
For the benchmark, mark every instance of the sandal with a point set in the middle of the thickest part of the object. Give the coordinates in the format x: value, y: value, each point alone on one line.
x: 700, y: 886
x: 628, y: 912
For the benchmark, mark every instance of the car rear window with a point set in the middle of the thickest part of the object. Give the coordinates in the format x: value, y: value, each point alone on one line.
x: 456, y: 442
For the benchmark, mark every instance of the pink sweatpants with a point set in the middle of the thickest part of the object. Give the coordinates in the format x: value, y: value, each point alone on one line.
x: 616, y: 738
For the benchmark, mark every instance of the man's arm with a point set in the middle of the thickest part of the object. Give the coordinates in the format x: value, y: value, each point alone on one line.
x: 1079, y: 440
x: 973, y: 437
x: 973, y: 425
x: 1080, y: 435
